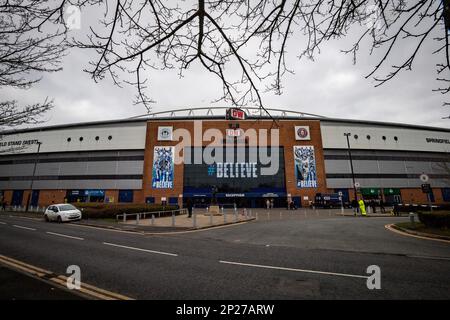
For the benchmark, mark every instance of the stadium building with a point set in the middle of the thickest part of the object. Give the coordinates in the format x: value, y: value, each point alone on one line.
x: 249, y: 156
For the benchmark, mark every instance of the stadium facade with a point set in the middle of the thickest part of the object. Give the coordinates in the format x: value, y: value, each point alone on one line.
x: 248, y: 156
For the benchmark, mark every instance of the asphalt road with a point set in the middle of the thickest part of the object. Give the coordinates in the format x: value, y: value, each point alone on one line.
x: 293, y: 257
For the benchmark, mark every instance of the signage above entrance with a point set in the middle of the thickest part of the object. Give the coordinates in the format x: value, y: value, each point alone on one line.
x: 235, y: 113
x: 233, y: 132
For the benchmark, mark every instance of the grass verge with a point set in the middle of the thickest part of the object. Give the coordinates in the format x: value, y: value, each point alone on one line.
x: 420, y: 227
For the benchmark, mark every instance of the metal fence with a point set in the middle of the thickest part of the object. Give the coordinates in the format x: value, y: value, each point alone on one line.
x: 124, y: 217
x: 31, y: 209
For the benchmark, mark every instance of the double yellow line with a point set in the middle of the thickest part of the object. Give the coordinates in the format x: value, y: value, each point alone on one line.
x: 86, y: 290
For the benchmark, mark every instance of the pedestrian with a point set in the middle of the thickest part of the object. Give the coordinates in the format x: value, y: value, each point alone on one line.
x: 355, y: 207
x: 362, y: 207
x: 189, y: 206
x: 373, y: 205
x: 271, y: 203
x: 4, y: 204
x: 382, y: 208
x: 268, y: 204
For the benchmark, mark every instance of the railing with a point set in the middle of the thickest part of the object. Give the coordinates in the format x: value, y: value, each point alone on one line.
x: 215, y: 111
x: 31, y: 209
x: 151, y: 214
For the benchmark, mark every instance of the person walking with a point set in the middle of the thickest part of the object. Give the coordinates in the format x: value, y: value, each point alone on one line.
x: 268, y: 204
x: 271, y: 203
x: 189, y: 206
x: 382, y: 208
x: 362, y: 207
x: 373, y: 206
x: 355, y: 207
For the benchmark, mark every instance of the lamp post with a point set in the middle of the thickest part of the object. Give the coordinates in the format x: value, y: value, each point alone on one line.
x: 32, y: 177
x: 347, y: 134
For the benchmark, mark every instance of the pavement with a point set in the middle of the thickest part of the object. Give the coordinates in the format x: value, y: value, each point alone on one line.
x: 279, y: 256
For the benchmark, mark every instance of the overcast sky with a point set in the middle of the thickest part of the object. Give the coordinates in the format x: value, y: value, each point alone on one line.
x: 330, y: 86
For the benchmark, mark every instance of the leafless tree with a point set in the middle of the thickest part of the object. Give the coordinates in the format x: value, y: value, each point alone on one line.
x: 137, y: 36
x: 32, y: 42
x: 133, y: 38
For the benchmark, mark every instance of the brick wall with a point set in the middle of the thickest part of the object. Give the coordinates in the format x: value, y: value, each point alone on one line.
x: 287, y: 140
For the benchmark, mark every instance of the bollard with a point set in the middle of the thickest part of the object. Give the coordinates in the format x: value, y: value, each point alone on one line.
x: 221, y: 209
x: 235, y: 216
x: 280, y: 214
x: 153, y: 219
x: 256, y: 215
x: 411, y: 218
x: 224, y: 217
x: 251, y: 214
x: 194, y: 220
x: 137, y: 218
x: 124, y: 217
x: 173, y: 219
x: 210, y: 219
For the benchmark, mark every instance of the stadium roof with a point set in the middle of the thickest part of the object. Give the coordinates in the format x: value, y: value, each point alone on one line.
x: 219, y: 113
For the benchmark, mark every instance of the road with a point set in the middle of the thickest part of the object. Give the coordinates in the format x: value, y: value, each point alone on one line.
x: 293, y: 257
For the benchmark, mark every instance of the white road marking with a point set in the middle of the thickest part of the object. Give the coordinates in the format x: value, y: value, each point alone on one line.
x: 294, y: 270
x: 26, y: 228
x: 139, y: 249
x: 429, y: 257
x: 2, y: 222
x: 64, y: 235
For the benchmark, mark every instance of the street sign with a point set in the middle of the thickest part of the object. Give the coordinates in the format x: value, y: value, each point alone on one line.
x: 424, y: 178
x: 426, y: 188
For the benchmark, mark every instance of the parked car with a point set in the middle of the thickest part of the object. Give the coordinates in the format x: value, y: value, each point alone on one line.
x: 62, y: 212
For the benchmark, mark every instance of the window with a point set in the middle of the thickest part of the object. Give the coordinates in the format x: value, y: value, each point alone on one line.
x: 395, y: 138
x: 97, y: 138
x: 81, y: 138
x: 368, y: 137
x: 355, y: 136
x: 67, y: 207
x: 383, y: 137
x: 109, y: 137
x: 69, y: 139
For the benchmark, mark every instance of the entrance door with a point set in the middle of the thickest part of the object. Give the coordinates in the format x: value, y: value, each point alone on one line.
x: 431, y: 195
x: 34, y: 198
x: 17, y: 198
x: 297, y: 201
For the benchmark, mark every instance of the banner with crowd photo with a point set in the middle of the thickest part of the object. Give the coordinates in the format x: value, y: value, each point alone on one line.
x: 305, y: 167
x: 163, y: 167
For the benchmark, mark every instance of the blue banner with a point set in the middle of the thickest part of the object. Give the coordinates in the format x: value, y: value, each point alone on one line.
x: 305, y: 167
x: 163, y: 168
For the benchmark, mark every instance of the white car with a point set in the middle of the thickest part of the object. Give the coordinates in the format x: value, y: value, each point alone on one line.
x: 62, y: 212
